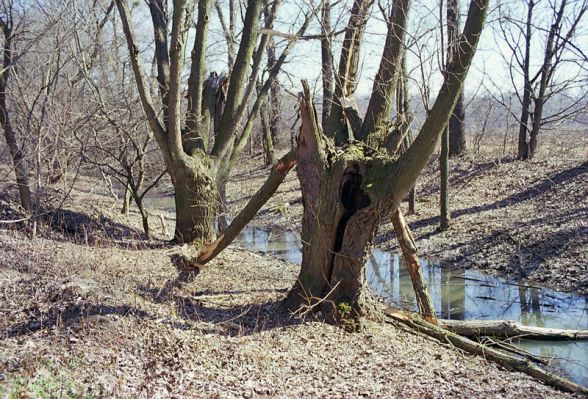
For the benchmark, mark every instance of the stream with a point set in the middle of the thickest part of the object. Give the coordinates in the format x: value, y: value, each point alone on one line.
x: 462, y: 295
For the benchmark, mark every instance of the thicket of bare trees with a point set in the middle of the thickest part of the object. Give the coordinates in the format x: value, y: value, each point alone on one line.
x: 545, y: 60
x: 74, y: 98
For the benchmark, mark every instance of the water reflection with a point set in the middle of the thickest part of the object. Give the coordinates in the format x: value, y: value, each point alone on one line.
x: 462, y: 295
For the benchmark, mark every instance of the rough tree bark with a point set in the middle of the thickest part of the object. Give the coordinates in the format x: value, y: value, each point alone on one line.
x: 348, y: 188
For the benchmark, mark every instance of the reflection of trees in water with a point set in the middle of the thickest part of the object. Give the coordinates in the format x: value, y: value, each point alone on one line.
x: 453, y: 295
x: 484, y: 296
x: 530, y: 306
x: 379, y: 285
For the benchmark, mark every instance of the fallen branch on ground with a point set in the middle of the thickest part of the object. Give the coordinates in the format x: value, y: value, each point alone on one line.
x: 505, y: 360
x: 275, y: 178
x: 509, y: 329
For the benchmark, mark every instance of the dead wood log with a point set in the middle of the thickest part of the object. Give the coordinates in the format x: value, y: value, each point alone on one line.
x: 505, y: 360
x: 409, y: 251
x: 509, y: 329
x: 275, y: 178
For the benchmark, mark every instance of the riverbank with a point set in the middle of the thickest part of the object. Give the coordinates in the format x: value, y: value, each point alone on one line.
x: 522, y: 220
x: 89, y: 309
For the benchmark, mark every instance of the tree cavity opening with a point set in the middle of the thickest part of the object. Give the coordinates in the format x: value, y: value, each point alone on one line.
x: 353, y: 198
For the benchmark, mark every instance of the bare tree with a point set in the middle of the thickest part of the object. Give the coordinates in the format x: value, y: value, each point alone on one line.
x: 552, y: 26
x: 198, y: 170
x: 351, y: 182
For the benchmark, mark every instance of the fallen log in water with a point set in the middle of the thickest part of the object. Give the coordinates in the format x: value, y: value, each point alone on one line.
x: 505, y: 360
x: 510, y: 329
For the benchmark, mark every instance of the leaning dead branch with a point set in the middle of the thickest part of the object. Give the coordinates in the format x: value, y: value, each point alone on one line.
x: 275, y: 178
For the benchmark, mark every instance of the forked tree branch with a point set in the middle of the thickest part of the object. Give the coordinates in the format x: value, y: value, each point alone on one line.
x: 345, y: 79
x: 264, y: 92
x: 378, y: 113
x: 178, y: 34
x: 228, y: 123
x: 194, y: 132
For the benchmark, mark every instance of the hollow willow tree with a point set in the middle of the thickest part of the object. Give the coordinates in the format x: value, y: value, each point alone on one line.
x: 350, y: 175
x: 201, y: 142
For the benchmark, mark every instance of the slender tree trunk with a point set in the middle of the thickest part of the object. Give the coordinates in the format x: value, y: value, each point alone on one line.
x: 405, y: 115
x: 523, y: 144
x: 126, y: 201
x: 222, y: 222
x: 412, y: 196
x: 143, y: 213
x: 268, y: 142
x: 535, y: 127
x: 445, y: 215
x: 16, y: 153
x: 457, y: 139
x: 17, y: 156
x: 273, y: 104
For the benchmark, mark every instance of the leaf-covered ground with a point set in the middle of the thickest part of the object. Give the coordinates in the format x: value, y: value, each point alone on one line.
x: 89, y: 310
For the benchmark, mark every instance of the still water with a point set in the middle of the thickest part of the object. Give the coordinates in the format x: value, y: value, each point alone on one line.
x: 462, y: 295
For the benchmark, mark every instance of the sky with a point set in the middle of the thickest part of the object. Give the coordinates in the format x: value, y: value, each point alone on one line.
x: 488, y: 71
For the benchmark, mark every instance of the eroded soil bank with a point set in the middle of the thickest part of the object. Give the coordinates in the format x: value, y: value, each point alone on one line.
x: 524, y: 220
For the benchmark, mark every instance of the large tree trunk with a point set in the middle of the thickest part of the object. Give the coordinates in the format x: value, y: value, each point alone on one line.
x: 196, y: 200
x: 338, y: 227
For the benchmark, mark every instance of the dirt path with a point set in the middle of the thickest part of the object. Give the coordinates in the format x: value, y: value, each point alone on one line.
x: 527, y: 221
x: 102, y: 314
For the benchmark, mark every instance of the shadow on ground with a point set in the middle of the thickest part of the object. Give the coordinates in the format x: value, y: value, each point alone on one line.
x: 76, y: 227
x: 190, y: 313
x: 531, y: 192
